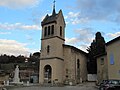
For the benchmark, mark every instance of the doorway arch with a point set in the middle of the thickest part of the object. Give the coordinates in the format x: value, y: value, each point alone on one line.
x: 47, y: 73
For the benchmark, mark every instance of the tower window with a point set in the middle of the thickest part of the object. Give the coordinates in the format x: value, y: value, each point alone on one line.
x: 48, y: 49
x: 60, y: 30
x: 78, y: 63
x: 48, y: 30
x: 52, y: 32
x: 45, y: 31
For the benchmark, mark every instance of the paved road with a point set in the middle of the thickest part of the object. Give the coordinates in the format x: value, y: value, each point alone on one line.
x: 56, y: 88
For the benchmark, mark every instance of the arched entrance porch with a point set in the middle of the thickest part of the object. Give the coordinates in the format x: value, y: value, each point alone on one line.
x: 47, y: 74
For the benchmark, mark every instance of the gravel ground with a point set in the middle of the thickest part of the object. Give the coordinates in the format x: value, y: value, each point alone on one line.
x: 56, y: 88
x: 85, y: 86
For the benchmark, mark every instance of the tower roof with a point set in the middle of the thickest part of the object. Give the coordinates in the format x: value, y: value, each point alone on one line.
x: 49, y: 19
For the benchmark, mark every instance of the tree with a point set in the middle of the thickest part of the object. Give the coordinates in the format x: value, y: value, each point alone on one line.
x: 4, y: 59
x: 97, y: 48
x: 12, y: 59
x: 34, y: 60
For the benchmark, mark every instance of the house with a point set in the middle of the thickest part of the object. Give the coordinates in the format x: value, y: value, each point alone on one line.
x: 108, y: 66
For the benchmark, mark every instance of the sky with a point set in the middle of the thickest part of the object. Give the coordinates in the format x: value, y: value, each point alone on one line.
x: 20, y: 23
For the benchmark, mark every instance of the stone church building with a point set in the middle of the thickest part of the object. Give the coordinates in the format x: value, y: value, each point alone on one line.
x: 60, y: 63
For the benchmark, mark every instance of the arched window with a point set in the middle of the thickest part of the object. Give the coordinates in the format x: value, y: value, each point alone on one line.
x: 78, y: 63
x: 48, y: 30
x: 52, y: 29
x: 60, y: 30
x: 45, y: 31
x: 48, y: 49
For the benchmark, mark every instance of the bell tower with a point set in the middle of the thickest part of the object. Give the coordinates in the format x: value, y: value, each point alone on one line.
x: 52, y: 40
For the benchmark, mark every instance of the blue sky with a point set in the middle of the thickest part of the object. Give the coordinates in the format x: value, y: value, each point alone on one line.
x: 20, y: 23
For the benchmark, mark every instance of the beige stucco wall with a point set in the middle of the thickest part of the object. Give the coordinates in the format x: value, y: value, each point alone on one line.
x: 108, y: 70
x: 56, y: 48
x: 60, y: 22
x: 102, y: 70
x: 70, y: 63
x: 57, y: 69
x: 114, y: 70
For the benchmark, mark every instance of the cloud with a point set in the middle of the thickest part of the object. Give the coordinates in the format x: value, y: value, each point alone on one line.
x: 77, y: 43
x: 83, y: 38
x: 85, y: 35
x: 73, y: 15
x: 29, y: 37
x: 19, y: 26
x: 71, y: 40
x: 113, y: 35
x: 83, y: 47
x: 74, y: 18
x: 99, y: 9
x: 12, y: 47
x: 17, y: 4
x: 5, y: 33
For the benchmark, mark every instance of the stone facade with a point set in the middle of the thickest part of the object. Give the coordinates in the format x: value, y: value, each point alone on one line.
x: 75, y: 68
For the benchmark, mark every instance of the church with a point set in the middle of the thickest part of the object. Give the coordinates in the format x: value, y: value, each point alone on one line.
x: 59, y: 63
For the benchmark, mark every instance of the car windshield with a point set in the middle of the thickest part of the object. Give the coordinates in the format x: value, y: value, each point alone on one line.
x: 113, y: 82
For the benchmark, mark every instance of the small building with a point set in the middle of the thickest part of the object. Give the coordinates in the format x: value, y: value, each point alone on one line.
x: 108, y: 64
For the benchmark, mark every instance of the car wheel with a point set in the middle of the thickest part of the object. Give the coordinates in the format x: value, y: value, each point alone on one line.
x: 101, y: 88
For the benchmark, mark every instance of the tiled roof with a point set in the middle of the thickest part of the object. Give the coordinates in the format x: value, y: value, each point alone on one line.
x: 75, y: 49
x: 113, y: 40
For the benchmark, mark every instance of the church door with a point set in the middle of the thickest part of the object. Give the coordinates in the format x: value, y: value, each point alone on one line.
x: 47, y: 74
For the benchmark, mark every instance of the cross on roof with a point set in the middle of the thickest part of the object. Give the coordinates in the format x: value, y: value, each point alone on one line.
x: 54, y: 3
x: 53, y: 13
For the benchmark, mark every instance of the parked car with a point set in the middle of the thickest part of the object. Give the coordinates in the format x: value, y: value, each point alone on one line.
x: 102, y: 85
x: 110, y: 85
